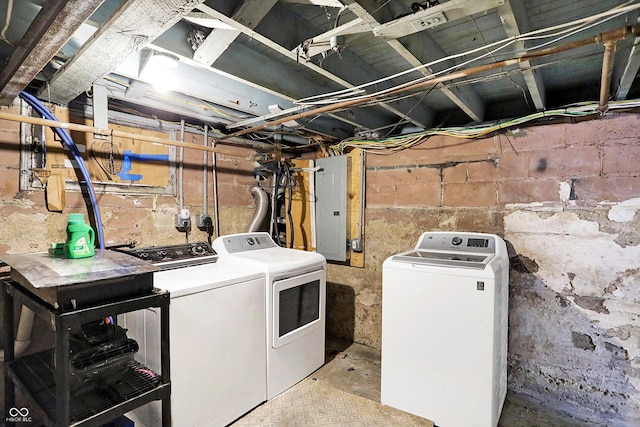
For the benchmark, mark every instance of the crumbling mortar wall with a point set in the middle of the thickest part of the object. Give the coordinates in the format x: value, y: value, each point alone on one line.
x: 565, y: 198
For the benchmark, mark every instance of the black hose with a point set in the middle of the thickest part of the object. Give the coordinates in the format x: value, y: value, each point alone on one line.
x: 290, y: 217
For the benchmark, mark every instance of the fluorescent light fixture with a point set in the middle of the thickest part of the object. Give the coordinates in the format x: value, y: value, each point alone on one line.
x: 160, y: 60
x: 159, y: 70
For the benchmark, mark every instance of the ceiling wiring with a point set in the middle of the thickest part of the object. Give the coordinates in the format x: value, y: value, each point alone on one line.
x: 615, y: 34
x: 507, y: 75
x: 574, y: 28
x: 402, y: 142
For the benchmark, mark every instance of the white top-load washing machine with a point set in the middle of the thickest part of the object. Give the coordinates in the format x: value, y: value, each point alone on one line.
x: 295, y: 304
x: 216, y: 333
x: 444, y: 329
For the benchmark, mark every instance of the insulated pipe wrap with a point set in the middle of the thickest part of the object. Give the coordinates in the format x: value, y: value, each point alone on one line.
x: 262, y: 206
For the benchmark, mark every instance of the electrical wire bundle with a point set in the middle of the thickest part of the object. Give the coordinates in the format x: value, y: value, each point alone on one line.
x: 403, y: 142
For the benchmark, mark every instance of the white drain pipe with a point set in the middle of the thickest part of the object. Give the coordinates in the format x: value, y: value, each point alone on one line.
x: 23, y: 336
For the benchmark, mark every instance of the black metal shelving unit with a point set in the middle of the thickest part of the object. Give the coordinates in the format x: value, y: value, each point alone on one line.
x: 43, y: 384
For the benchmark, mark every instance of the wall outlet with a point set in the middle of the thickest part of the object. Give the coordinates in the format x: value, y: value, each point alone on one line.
x: 204, y: 222
x: 182, y: 224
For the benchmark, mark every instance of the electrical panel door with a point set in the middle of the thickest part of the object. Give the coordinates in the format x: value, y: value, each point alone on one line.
x: 331, y: 207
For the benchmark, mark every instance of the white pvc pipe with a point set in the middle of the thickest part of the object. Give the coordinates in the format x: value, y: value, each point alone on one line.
x: 23, y: 336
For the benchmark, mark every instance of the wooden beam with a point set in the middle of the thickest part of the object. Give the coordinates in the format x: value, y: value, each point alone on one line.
x: 629, y: 72
x: 48, y: 33
x: 422, y: 20
x: 515, y: 27
x: 132, y: 27
x: 423, y: 122
x: 472, y: 105
x: 250, y: 11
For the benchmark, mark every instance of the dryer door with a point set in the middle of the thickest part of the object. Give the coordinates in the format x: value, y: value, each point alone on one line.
x: 298, y: 306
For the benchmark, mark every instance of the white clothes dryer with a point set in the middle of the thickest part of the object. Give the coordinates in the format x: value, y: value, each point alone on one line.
x: 444, y: 329
x: 295, y: 304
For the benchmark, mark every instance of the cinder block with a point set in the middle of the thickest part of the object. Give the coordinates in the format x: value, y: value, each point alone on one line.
x: 564, y: 162
x: 477, y: 171
x: 403, y: 187
x: 619, y: 160
x: 605, y: 188
x: 529, y: 191
x: 533, y: 138
x: 470, y: 194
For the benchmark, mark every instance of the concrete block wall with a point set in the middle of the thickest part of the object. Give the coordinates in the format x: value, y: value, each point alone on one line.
x: 565, y: 198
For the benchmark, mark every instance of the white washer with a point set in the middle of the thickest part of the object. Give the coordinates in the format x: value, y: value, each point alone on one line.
x: 295, y: 304
x: 217, y: 341
x: 444, y: 329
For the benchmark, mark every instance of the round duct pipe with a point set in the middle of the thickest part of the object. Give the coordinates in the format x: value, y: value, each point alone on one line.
x: 262, y: 206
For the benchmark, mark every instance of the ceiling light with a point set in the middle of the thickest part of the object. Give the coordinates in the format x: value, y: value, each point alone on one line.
x: 159, y: 70
x: 429, y: 21
x: 160, y: 60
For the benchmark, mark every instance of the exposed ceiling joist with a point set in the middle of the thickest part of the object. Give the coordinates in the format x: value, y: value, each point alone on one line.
x: 250, y: 12
x: 50, y: 30
x: 322, y: 42
x: 629, y: 72
x: 470, y: 104
x: 248, y: 68
x: 405, y: 113
x: 130, y: 29
x: 515, y: 27
x: 432, y: 17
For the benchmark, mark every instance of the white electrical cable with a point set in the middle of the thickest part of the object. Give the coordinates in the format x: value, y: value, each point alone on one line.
x: 587, y: 23
x: 7, y: 22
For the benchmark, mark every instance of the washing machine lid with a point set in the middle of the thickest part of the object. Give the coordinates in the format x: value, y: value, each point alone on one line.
x: 444, y: 259
x: 204, y: 277
x: 452, y: 249
x: 258, y: 249
x: 279, y: 260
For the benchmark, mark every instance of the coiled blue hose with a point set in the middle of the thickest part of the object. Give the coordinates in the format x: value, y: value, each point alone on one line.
x: 71, y: 146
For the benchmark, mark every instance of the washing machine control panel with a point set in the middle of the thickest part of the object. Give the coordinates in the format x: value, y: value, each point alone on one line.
x: 467, y: 242
x: 235, y: 243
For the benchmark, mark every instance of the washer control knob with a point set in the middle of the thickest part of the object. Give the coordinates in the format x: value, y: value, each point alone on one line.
x: 197, y: 250
x: 456, y: 241
x: 162, y: 253
x: 250, y: 241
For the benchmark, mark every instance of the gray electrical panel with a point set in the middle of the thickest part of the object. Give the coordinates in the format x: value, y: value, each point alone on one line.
x: 331, y: 207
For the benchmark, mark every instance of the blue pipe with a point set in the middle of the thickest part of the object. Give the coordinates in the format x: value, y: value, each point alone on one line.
x: 68, y: 142
x: 127, y: 155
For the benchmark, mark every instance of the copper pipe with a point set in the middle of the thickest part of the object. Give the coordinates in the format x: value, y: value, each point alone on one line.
x: 607, y: 71
x: 615, y: 34
x: 117, y: 133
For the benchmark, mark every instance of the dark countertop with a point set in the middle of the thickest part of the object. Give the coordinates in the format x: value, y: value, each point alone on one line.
x: 43, y: 270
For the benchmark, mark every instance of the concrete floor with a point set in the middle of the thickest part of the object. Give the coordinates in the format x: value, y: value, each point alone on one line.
x: 355, y: 368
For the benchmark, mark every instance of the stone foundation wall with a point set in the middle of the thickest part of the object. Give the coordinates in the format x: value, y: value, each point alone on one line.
x: 565, y: 198
x: 27, y: 226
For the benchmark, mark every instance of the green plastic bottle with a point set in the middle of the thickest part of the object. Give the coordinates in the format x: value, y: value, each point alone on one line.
x: 80, y: 238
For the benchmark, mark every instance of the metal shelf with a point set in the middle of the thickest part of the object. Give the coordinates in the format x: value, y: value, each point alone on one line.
x: 35, y: 376
x: 44, y: 378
